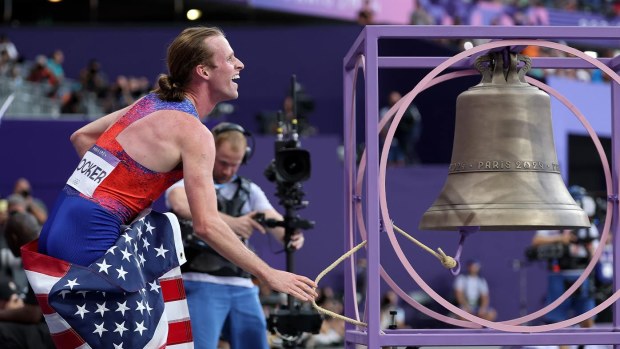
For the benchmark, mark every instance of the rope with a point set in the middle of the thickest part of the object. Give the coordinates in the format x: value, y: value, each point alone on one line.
x: 445, y: 260
x: 327, y: 270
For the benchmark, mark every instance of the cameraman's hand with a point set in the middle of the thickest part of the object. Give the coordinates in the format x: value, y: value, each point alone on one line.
x: 567, y: 237
x: 14, y: 302
x: 244, y: 225
x: 297, y: 240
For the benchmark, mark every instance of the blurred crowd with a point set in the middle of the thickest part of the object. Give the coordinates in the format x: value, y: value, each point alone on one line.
x: 504, y: 12
x: 518, y: 12
x: 92, y: 92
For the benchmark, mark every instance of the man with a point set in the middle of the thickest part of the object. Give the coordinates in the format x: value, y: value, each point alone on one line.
x: 33, y: 205
x: 221, y: 296
x: 403, y: 149
x: 129, y: 158
x: 572, y: 250
x: 472, y: 292
x: 21, y: 319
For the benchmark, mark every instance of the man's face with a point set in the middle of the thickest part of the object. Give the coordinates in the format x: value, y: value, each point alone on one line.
x: 22, y: 186
x: 227, y: 162
x: 226, y: 69
x: 473, y: 268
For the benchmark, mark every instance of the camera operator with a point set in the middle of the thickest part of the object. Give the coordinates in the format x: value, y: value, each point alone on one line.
x: 567, y: 253
x: 223, y: 300
x: 34, y: 206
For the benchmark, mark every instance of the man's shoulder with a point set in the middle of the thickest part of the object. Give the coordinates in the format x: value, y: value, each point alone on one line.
x: 247, y: 183
x: 548, y: 232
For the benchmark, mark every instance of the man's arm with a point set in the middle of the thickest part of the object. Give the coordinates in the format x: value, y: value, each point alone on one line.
x: 460, y: 299
x: 565, y: 237
x: 243, y: 225
x: 459, y: 294
x: 198, y: 154
x: 260, y: 203
x: 85, y: 137
x: 177, y: 202
x: 297, y: 239
x: 16, y: 311
x: 37, y: 210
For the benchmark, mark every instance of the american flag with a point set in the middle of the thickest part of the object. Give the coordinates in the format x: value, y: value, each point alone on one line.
x: 132, y: 297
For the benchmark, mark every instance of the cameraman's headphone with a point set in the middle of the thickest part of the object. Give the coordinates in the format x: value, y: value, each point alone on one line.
x: 229, y: 127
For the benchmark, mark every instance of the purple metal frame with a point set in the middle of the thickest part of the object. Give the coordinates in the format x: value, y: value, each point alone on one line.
x: 367, y: 44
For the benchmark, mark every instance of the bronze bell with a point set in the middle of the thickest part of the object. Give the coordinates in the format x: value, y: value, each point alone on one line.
x: 504, y: 173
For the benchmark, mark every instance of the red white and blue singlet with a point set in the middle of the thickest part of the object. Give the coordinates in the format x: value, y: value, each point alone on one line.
x: 107, y: 189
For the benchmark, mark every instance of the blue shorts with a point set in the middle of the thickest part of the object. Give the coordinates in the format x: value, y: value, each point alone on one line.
x: 78, y: 230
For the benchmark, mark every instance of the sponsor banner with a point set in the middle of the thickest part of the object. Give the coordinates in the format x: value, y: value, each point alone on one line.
x: 385, y: 11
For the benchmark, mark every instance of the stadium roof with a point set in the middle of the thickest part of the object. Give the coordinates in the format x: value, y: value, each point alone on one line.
x: 139, y: 12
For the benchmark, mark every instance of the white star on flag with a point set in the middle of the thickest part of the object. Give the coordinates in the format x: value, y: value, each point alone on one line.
x: 72, y: 283
x: 126, y: 255
x: 121, y: 273
x: 127, y: 237
x: 81, y: 311
x: 111, y: 249
x: 103, y: 266
x: 118, y: 346
x: 142, y: 259
x: 122, y: 307
x: 161, y: 251
x: 100, y: 329
x: 149, y: 228
x: 154, y: 286
x: 140, y: 327
x: 101, y: 309
x: 145, y: 244
x: 140, y: 307
x: 120, y: 328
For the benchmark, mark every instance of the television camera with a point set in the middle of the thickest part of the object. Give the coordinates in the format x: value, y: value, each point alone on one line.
x: 290, y: 167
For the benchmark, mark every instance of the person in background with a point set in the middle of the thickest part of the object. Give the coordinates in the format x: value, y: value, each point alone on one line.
x: 472, y: 292
x: 21, y: 319
x: 403, y: 148
x: 41, y: 74
x: 223, y: 300
x: 33, y: 205
x: 7, y: 45
x: 392, y: 314
x: 54, y: 64
x: 575, y: 250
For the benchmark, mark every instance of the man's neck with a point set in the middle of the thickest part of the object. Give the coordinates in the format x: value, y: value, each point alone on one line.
x: 232, y: 179
x: 201, y: 100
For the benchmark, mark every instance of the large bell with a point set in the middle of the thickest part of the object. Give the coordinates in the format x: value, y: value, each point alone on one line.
x: 504, y: 173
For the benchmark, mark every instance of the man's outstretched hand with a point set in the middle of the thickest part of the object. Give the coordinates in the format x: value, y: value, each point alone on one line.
x: 297, y: 286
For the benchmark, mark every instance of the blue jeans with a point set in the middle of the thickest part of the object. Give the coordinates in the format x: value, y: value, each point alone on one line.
x: 231, y: 311
x: 578, y: 303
